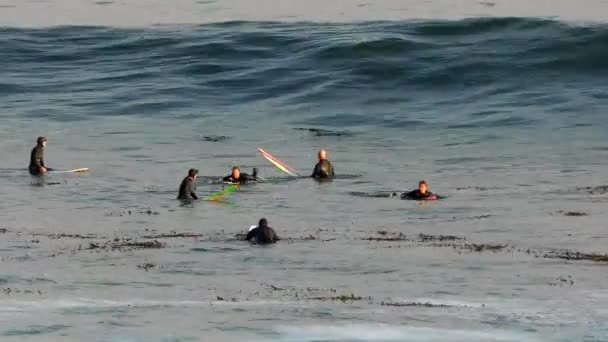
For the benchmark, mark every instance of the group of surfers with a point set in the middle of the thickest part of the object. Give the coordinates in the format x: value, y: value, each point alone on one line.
x: 262, y: 233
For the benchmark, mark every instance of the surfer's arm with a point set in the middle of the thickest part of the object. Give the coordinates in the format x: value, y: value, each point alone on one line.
x: 42, y: 161
x: 36, y: 159
x: 316, y: 171
x: 251, y: 234
x: 191, y: 189
x: 408, y: 195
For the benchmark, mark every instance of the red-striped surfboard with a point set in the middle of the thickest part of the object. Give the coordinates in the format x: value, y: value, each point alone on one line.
x: 279, y: 164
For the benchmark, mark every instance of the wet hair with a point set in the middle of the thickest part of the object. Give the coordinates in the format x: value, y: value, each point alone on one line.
x: 423, y: 182
x: 192, y: 172
x: 263, y: 222
x: 236, y: 168
x: 40, y: 140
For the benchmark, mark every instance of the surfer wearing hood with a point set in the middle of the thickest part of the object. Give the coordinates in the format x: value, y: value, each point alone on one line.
x: 263, y: 234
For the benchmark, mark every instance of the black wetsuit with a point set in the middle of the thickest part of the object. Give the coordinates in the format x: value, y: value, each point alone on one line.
x: 417, y: 195
x: 323, y: 169
x: 37, y: 160
x: 243, y: 178
x: 262, y: 235
x: 186, y: 189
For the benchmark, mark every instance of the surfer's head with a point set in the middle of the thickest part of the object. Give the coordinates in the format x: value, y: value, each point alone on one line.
x: 236, y: 172
x: 322, y: 154
x: 423, y: 187
x: 41, y: 141
x: 263, y: 222
x: 193, y: 173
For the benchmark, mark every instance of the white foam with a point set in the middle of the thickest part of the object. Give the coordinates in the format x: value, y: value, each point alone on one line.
x: 380, y: 332
x: 13, y: 305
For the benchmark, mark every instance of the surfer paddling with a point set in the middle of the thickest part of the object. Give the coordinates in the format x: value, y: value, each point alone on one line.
x: 37, y: 166
x: 263, y: 234
x: 186, y: 189
x: 421, y: 194
x: 236, y: 177
x: 323, y: 169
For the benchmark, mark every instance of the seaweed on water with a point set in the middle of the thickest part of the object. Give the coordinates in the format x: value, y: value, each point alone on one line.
x: 425, y: 237
x: 385, y: 236
x: 215, y: 138
x: 483, y: 247
x: 71, y: 236
x: 9, y: 290
x: 596, y: 190
x: 561, y: 281
x: 415, y: 304
x: 573, y: 213
x: 318, y: 132
x: 146, y: 266
x: 138, y: 244
x: 571, y: 255
x: 478, y: 188
x: 172, y: 235
x: 398, y: 236
x: 118, y: 244
x: 342, y: 298
x: 132, y: 212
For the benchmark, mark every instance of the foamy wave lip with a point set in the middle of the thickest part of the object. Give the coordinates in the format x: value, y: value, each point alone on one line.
x: 382, y: 332
x: 20, y: 306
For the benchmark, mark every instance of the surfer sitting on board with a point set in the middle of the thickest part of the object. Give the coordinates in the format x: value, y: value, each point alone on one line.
x: 263, y: 234
x: 236, y: 177
x: 37, y: 166
x: 186, y: 189
x: 422, y: 194
x: 323, y: 169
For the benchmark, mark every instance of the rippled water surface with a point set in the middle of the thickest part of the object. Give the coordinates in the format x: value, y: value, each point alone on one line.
x: 504, y: 116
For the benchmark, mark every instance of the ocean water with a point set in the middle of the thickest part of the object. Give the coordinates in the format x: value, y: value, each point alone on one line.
x: 504, y: 113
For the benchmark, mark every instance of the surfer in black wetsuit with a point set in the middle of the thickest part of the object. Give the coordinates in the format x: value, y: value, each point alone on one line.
x: 37, y: 166
x: 421, y: 194
x: 263, y: 234
x: 237, y: 177
x: 186, y: 189
x: 323, y: 169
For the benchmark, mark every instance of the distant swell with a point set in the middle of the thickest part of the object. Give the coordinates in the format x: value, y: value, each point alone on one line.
x: 130, y: 72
